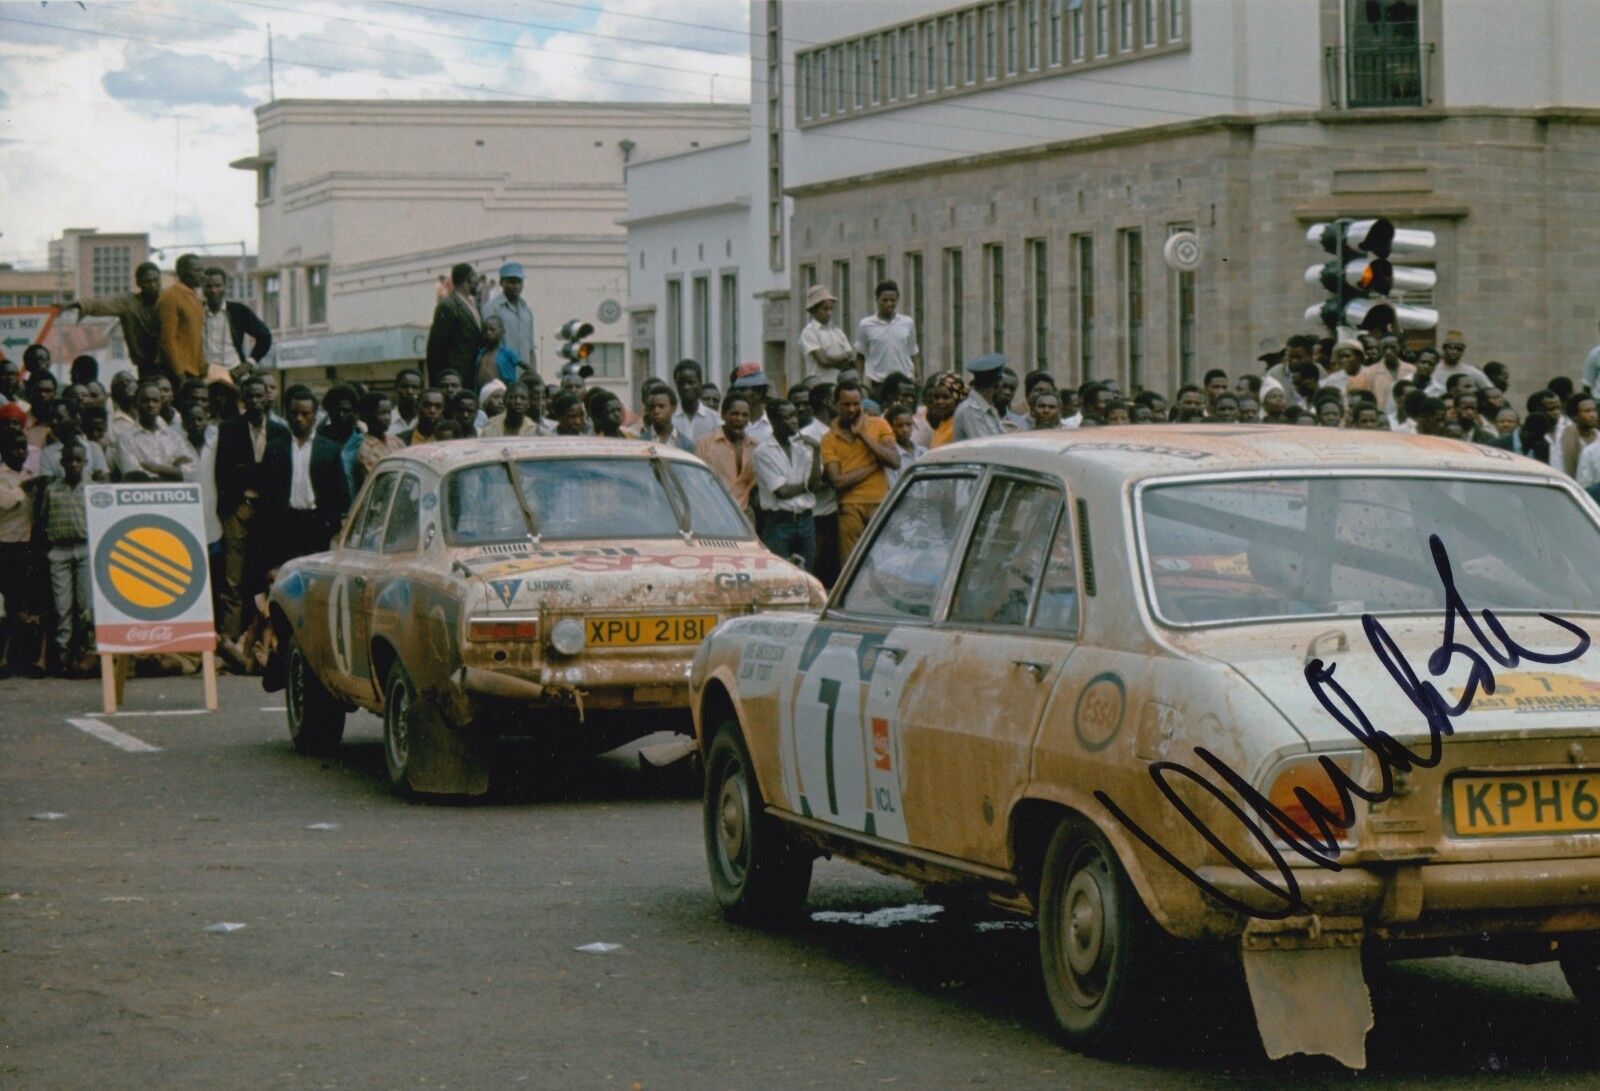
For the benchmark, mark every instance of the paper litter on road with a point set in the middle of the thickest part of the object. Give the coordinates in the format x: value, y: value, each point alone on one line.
x: 598, y: 948
x: 1003, y: 926
x: 223, y: 927
x: 323, y: 826
x: 880, y: 918
x: 47, y: 816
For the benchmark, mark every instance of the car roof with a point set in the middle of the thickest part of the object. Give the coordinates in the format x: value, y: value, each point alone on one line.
x: 1123, y: 454
x: 447, y: 455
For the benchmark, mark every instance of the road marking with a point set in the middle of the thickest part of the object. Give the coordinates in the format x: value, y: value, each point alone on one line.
x: 153, y: 712
x: 272, y: 708
x: 107, y: 733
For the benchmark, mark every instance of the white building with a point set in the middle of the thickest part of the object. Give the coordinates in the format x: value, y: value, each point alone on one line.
x: 363, y: 205
x: 1018, y: 164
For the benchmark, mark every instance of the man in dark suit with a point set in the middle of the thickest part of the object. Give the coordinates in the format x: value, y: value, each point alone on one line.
x: 228, y: 322
x: 457, y: 331
x: 253, y: 471
x: 1531, y: 438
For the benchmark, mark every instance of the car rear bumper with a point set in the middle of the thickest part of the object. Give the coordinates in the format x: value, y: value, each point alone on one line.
x: 1411, y: 897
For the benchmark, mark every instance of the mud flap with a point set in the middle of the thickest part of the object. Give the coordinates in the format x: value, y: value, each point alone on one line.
x: 443, y: 761
x: 1311, y: 1000
x: 274, y: 676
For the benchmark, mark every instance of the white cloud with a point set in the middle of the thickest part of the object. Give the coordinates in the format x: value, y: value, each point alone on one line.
x: 127, y: 119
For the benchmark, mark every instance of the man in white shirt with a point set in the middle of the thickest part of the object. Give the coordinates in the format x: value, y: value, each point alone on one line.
x: 886, y: 342
x: 750, y: 380
x: 824, y: 346
x: 407, y: 389
x: 1455, y: 346
x: 692, y: 419
x: 788, y: 469
x: 516, y: 317
x: 302, y: 522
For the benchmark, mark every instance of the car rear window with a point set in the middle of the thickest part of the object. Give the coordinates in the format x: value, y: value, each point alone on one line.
x: 574, y: 498
x: 1286, y: 547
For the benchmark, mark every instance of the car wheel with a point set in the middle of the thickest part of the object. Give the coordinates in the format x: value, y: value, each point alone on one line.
x: 399, y: 751
x: 316, y: 719
x: 758, y: 872
x: 1094, y: 938
x: 1580, y: 962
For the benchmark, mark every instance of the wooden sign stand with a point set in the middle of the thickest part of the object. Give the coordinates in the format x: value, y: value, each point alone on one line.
x: 114, y: 670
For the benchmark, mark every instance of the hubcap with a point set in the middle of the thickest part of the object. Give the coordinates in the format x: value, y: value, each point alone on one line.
x: 399, y: 704
x: 732, y: 819
x: 1086, y: 933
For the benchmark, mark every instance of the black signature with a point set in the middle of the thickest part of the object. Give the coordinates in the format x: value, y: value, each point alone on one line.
x: 1320, y: 844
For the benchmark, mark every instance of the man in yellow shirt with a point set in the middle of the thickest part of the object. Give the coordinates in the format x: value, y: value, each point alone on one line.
x: 856, y: 452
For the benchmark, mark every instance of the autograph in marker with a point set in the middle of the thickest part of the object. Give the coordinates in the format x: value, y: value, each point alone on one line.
x: 1485, y: 641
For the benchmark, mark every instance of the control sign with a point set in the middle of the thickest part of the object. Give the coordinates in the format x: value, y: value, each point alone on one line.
x: 152, y: 586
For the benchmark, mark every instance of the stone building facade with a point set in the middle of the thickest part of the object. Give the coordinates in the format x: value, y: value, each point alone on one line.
x: 1053, y: 253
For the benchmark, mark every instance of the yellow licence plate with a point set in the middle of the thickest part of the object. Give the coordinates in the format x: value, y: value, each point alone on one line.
x: 624, y: 631
x: 1525, y: 803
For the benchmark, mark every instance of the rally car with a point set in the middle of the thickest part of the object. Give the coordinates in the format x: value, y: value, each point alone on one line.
x: 555, y: 588
x: 1297, y: 696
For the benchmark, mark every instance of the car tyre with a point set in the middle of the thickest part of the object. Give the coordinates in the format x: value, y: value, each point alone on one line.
x: 759, y: 874
x: 1580, y: 963
x: 399, y: 742
x: 316, y: 718
x: 1095, y: 940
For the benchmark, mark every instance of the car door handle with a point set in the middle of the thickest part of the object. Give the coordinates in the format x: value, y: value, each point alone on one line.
x: 1038, y: 670
x: 897, y: 654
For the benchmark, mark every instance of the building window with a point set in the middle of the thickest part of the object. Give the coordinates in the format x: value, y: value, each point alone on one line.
x: 675, y: 320
x: 1184, y: 303
x: 802, y: 73
x: 994, y: 278
x: 728, y: 316
x: 1174, y: 20
x: 840, y: 89
x: 317, y: 295
x: 955, y: 287
x: 949, y: 52
x: 1038, y: 251
x: 825, y: 99
x: 291, y: 281
x: 701, y: 331
x: 930, y: 56
x: 991, y: 47
x: 266, y: 179
x: 877, y: 272
x: 1011, y: 38
x: 25, y: 299
x: 1077, y: 32
x: 889, y: 44
x: 874, y: 70
x: 908, y: 45
x: 775, y: 216
x: 858, y: 76
x: 1055, y: 31
x: 841, y: 289
x: 1033, y: 34
x: 111, y: 271
x: 1125, y: 25
x: 1102, y: 27
x: 1133, y: 305
x: 1151, y: 20
x: 969, y: 48
x: 1083, y: 245
x: 911, y: 290
x: 1385, y: 54
x: 607, y: 359
x: 270, y: 289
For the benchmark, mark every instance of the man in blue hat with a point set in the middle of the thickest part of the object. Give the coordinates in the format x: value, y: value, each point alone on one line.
x: 516, y: 317
x: 979, y: 414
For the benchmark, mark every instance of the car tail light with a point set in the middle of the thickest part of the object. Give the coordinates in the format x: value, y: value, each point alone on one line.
x: 502, y: 629
x: 1306, y: 777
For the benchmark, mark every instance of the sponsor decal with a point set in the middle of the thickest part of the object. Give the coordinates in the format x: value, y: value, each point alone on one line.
x: 506, y: 590
x: 1097, y: 717
x: 1526, y: 691
x: 150, y: 568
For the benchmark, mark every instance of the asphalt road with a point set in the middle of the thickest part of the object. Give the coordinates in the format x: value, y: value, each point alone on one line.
x: 427, y: 945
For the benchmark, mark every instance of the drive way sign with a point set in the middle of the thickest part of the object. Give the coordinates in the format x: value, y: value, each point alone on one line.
x: 152, y: 585
x: 24, y: 326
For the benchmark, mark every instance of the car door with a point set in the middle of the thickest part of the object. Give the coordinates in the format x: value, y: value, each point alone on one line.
x: 839, y: 746
x: 1009, y: 626
x: 349, y: 599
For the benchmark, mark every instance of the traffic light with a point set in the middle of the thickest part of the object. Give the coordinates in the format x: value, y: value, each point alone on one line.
x: 574, y: 348
x: 1361, y: 276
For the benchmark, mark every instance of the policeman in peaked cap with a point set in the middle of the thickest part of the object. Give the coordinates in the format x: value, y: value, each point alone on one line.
x: 978, y: 415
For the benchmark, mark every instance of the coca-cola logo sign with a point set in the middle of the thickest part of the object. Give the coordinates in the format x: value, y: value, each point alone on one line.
x: 150, y: 634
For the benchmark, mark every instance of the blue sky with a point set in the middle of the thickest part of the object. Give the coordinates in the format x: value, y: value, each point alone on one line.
x: 124, y: 115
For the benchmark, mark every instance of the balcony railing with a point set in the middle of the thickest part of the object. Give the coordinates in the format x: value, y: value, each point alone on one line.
x: 1368, y: 76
